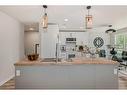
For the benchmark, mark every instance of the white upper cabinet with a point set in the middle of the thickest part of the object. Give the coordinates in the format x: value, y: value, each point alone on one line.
x: 48, y: 41
x: 81, y: 37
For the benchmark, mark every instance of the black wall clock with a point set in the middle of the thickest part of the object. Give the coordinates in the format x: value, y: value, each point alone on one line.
x: 98, y: 42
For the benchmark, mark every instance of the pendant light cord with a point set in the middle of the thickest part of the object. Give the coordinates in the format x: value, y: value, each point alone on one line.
x: 88, y: 12
x: 88, y: 8
x: 45, y: 11
x: 45, y: 7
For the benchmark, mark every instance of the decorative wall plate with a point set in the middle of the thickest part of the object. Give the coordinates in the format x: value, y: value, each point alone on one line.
x: 98, y: 42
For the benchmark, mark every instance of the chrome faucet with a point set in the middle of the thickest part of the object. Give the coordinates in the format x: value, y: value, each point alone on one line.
x: 56, y: 54
x: 36, y: 45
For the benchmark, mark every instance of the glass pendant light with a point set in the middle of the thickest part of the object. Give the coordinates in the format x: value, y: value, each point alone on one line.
x: 45, y: 18
x: 88, y: 19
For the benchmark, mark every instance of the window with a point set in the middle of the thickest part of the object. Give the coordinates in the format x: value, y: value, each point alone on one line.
x: 121, y: 42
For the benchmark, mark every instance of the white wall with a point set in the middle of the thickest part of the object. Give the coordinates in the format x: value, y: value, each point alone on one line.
x: 88, y: 37
x: 99, y: 32
x: 121, y: 27
x: 12, y: 46
x: 121, y: 23
x: 81, y: 37
x: 31, y: 38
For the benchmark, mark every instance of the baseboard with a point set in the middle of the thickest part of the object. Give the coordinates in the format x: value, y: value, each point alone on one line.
x: 2, y: 82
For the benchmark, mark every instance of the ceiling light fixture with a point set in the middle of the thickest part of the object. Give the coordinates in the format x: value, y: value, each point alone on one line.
x: 110, y: 30
x: 88, y: 18
x: 31, y: 28
x: 45, y: 18
x: 65, y: 19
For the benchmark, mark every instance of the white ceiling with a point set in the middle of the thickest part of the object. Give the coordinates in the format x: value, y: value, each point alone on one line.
x: 102, y: 15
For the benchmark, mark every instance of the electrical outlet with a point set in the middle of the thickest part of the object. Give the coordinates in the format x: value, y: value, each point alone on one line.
x: 115, y: 71
x: 17, y: 72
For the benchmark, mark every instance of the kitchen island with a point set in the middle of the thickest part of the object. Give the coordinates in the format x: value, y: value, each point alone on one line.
x: 80, y: 73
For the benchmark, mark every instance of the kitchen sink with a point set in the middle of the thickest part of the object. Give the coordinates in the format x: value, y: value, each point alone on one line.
x: 50, y: 60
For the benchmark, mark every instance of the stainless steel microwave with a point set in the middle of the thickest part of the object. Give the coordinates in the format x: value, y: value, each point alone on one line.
x: 71, y: 39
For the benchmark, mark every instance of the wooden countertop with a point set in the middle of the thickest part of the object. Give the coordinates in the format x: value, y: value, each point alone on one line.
x: 26, y: 62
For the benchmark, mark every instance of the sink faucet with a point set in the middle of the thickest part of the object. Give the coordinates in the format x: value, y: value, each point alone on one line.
x: 36, y: 45
x: 56, y: 54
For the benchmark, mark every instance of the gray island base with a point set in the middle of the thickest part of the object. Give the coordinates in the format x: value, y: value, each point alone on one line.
x: 66, y: 76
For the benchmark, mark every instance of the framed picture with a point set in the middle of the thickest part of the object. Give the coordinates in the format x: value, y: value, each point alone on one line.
x: 63, y: 48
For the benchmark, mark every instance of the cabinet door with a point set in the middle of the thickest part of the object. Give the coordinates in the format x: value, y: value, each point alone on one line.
x: 48, y: 41
x: 105, y: 77
x: 56, y: 77
x: 64, y: 35
x: 83, y: 76
x: 82, y: 38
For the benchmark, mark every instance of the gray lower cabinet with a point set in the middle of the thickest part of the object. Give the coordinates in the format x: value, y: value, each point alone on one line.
x: 105, y: 77
x: 82, y: 76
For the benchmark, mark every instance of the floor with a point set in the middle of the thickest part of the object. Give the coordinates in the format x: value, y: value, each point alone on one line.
x: 10, y: 85
x: 122, y: 79
x: 122, y: 83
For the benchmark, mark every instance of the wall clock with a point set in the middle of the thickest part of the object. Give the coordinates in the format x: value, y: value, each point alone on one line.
x: 98, y: 42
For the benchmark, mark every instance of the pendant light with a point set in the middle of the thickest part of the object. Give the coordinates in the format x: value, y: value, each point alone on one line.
x: 45, y: 18
x: 88, y: 18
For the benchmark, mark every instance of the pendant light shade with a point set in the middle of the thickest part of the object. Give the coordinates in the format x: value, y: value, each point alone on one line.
x: 89, y: 22
x: 88, y: 18
x: 45, y: 21
x: 45, y: 18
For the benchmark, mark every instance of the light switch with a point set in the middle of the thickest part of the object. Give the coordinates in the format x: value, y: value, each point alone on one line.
x: 17, y: 72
